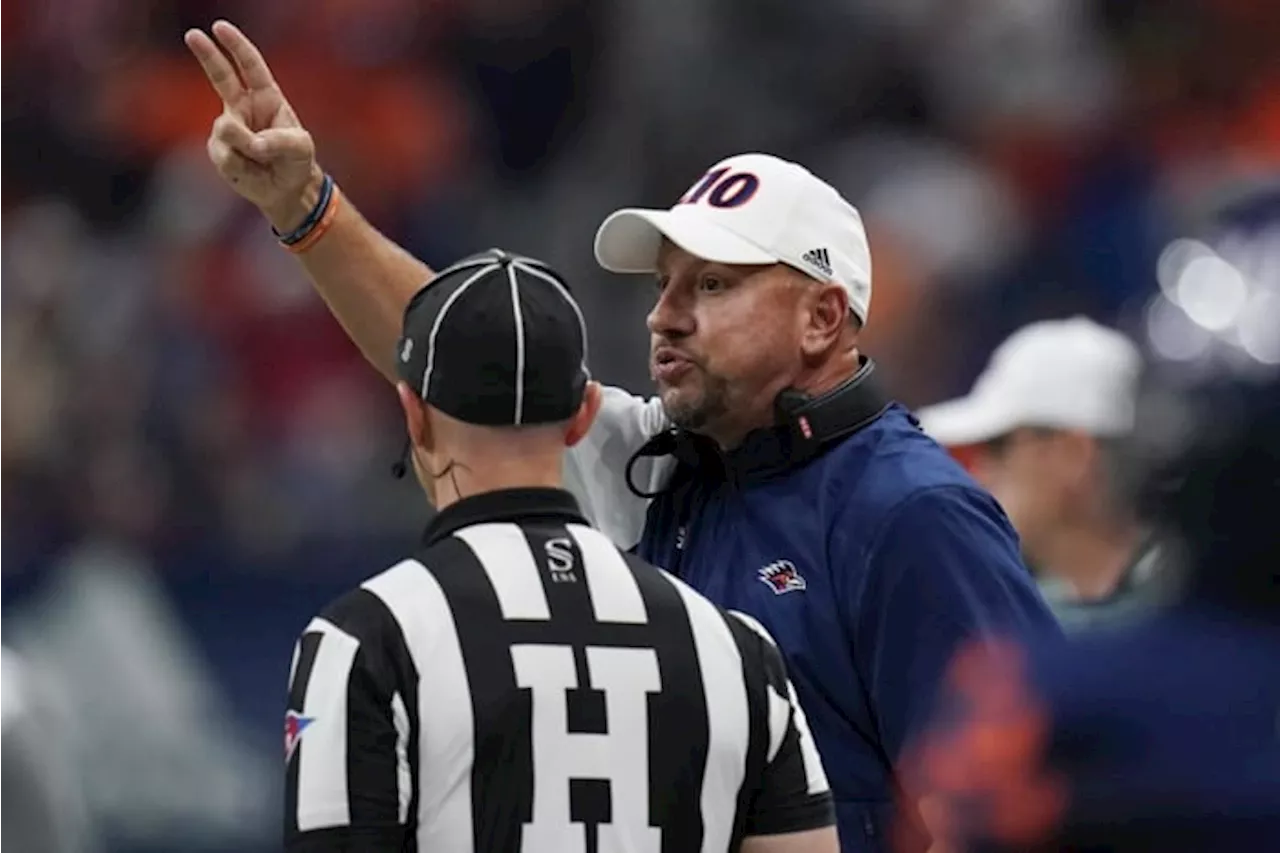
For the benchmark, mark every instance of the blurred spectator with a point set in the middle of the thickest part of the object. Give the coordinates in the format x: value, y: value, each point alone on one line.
x: 45, y: 810
x: 1040, y: 431
x: 1161, y: 734
x: 139, y: 735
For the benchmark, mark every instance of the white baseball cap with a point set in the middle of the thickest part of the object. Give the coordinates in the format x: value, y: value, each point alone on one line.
x: 1063, y: 374
x: 750, y: 209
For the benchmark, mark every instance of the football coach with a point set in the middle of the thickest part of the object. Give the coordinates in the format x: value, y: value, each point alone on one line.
x: 770, y: 474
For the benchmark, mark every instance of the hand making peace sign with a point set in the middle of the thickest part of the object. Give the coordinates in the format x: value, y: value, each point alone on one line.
x: 257, y: 143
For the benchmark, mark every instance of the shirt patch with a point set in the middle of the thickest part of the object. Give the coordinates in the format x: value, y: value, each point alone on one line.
x: 782, y: 576
x: 294, y: 724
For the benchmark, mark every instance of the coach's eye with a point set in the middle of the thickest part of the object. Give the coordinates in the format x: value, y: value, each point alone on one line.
x: 711, y: 284
x: 660, y: 283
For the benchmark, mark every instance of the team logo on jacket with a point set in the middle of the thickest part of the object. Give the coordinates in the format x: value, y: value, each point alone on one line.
x: 781, y: 576
x: 294, y: 724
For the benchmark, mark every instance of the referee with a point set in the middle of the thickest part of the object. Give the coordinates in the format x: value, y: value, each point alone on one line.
x: 520, y: 684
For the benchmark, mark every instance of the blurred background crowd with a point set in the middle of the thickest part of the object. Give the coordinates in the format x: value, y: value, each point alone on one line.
x: 194, y: 457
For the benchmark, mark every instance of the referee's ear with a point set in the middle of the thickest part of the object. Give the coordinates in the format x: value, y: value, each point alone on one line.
x: 580, y: 423
x: 415, y: 419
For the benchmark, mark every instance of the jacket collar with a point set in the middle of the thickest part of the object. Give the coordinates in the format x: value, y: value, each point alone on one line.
x: 806, y: 427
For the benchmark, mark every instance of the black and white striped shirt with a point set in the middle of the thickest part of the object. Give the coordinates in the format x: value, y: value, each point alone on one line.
x: 523, y: 685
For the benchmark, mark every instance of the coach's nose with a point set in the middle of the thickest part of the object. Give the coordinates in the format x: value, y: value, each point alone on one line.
x: 672, y: 313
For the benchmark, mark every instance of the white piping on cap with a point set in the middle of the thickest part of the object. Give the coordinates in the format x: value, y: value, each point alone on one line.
x: 444, y: 309
x: 520, y: 355
x: 568, y: 297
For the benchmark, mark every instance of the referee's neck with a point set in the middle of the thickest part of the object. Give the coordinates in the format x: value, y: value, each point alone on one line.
x: 464, y: 477
x: 463, y: 460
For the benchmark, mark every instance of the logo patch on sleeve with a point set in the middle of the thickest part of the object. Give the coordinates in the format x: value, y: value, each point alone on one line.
x: 294, y: 725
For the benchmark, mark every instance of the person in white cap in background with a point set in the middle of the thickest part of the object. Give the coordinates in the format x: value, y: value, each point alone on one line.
x: 1039, y: 430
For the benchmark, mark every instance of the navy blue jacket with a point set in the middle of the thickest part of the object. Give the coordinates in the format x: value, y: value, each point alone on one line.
x: 870, y: 565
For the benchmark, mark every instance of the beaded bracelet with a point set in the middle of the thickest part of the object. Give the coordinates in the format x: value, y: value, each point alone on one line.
x: 308, y: 225
x: 320, y: 228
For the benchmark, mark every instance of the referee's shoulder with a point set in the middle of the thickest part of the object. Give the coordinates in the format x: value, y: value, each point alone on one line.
x: 366, y: 612
x: 758, y: 645
x: 753, y: 641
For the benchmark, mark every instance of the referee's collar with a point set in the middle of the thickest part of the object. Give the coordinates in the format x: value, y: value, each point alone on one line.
x: 524, y: 504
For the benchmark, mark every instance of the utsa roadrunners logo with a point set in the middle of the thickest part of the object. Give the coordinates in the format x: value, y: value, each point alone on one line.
x: 781, y: 576
x: 294, y: 724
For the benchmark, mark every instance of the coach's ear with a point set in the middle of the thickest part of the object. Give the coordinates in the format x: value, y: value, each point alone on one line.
x: 580, y: 423
x: 827, y: 319
x: 415, y: 416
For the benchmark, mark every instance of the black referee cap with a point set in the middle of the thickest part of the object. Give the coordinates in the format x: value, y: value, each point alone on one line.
x: 496, y: 340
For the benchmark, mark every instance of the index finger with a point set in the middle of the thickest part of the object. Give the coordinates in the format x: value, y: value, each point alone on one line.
x: 222, y: 76
x: 253, y: 68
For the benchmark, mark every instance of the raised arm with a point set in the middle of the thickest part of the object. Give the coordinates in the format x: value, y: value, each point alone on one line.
x: 596, y: 468
x: 265, y: 154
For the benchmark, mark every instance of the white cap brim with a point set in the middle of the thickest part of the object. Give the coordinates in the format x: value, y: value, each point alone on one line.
x: 967, y: 420
x: 629, y: 240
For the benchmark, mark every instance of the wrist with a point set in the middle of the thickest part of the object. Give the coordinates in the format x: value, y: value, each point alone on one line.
x: 287, y: 216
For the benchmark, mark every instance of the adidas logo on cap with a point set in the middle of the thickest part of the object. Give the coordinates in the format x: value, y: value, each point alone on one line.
x: 819, y: 260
